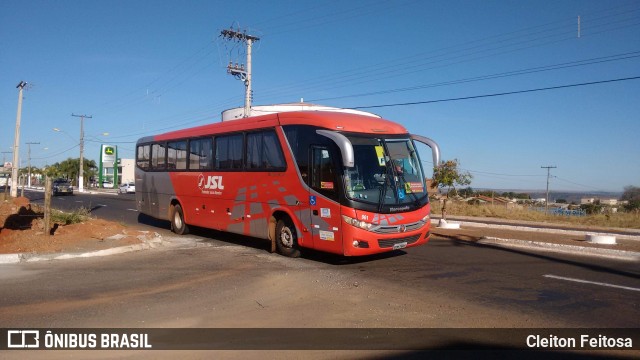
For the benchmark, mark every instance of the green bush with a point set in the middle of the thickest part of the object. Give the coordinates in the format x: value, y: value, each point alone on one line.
x: 78, y: 216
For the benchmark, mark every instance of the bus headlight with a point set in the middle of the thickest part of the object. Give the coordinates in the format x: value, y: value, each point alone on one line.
x: 357, y: 223
x: 427, y: 218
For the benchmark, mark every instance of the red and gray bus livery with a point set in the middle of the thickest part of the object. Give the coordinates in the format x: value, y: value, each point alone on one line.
x: 337, y: 182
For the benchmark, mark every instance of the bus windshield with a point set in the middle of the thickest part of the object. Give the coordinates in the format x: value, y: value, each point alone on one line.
x: 386, y: 172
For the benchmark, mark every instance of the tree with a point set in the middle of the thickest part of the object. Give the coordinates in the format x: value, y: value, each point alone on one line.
x: 68, y: 169
x: 631, y: 194
x: 448, y: 176
x: 466, y: 192
x: 592, y: 208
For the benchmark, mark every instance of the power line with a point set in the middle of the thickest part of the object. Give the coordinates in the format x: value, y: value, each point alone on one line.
x: 497, y: 94
x: 462, y: 51
x: 537, y: 69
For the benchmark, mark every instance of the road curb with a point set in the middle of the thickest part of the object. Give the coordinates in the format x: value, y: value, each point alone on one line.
x: 147, y: 243
x: 561, y: 248
x: 542, y: 230
x: 10, y: 258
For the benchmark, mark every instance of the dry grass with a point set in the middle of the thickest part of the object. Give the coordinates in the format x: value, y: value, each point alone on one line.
x: 615, y: 220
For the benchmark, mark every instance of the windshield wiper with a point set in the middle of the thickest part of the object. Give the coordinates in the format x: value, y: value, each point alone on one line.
x: 387, y: 183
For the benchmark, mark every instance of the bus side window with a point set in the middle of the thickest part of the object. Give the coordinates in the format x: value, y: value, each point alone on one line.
x: 177, y: 155
x: 323, y: 176
x: 264, y: 151
x: 143, y: 156
x: 229, y: 152
x: 158, y: 156
x: 200, y: 154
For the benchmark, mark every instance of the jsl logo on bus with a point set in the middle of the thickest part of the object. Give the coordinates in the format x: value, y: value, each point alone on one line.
x: 211, y: 182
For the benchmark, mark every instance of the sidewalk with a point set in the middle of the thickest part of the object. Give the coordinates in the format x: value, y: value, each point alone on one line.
x: 541, y: 236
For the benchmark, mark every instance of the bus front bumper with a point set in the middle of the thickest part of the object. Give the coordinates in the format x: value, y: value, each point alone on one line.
x: 358, y: 242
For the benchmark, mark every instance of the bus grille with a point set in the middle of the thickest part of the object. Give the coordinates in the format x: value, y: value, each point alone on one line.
x: 387, y: 243
x: 394, y: 229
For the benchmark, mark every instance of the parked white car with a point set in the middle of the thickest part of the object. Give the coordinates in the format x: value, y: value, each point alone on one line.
x: 128, y: 187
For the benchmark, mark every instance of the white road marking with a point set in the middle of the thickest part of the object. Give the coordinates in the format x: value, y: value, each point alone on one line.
x: 132, y: 210
x: 592, y: 282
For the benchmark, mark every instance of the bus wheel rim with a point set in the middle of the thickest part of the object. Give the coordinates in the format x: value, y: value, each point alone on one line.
x: 286, y: 237
x: 177, y: 220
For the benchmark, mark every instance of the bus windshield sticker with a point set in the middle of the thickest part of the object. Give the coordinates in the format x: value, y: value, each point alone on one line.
x: 401, y: 194
x: 325, y: 154
x: 380, y: 153
x: 325, y: 212
x: 326, y: 185
x: 326, y: 235
x: 412, y: 187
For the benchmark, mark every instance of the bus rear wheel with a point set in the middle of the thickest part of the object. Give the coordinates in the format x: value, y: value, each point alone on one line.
x: 286, y: 239
x: 178, y: 225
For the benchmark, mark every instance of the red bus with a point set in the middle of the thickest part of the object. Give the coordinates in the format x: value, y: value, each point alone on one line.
x: 333, y: 181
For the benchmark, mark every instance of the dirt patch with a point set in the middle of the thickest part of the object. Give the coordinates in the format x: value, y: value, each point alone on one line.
x: 22, y: 230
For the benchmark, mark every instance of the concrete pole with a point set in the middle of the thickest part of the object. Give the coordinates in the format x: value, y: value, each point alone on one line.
x: 81, y: 167
x: 29, y: 162
x: 247, y: 95
x: 546, y: 202
x: 16, y: 142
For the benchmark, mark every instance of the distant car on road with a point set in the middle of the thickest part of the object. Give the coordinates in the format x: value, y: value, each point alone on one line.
x: 62, y: 186
x: 128, y: 187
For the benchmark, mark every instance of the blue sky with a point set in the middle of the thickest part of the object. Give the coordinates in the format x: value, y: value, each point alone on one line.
x: 144, y: 67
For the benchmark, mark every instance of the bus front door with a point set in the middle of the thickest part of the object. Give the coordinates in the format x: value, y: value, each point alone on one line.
x: 323, y: 201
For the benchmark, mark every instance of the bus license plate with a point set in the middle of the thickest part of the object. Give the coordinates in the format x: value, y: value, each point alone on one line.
x: 401, y: 245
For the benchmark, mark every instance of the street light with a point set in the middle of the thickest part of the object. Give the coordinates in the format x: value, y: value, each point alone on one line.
x: 66, y: 133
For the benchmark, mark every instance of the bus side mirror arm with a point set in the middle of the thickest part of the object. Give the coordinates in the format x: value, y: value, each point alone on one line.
x: 346, y: 148
x: 435, y: 149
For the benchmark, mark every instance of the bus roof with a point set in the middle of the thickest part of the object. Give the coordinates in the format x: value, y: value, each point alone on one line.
x: 344, y: 122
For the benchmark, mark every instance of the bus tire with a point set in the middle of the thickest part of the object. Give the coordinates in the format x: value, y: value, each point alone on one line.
x: 287, y: 239
x: 178, y: 225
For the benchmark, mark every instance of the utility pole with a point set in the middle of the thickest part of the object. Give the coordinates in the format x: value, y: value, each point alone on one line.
x: 6, y: 184
x: 81, y: 170
x: 16, y: 142
x: 29, y: 162
x: 238, y: 70
x: 546, y: 203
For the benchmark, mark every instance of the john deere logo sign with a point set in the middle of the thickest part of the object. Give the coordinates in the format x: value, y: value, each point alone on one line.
x: 108, y: 154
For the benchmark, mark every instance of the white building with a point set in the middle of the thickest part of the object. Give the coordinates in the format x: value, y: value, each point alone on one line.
x: 126, y: 170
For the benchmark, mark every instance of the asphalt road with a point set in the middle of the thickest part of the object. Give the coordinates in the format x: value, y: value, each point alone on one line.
x: 236, y: 282
x: 519, y: 279
x: 116, y: 207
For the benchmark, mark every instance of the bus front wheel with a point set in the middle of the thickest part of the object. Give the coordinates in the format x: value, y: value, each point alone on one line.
x: 286, y: 239
x: 178, y: 225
